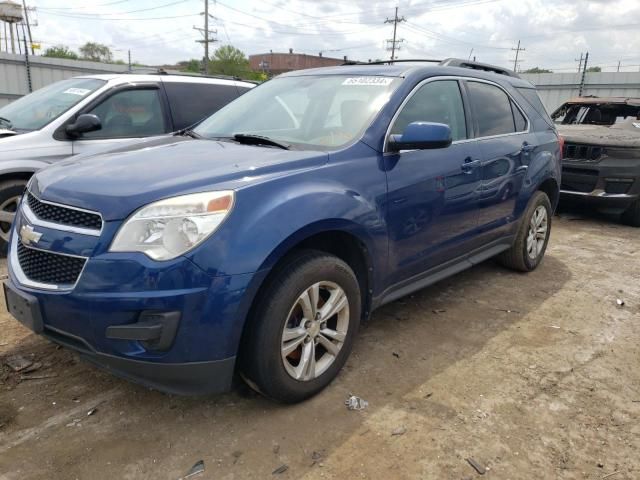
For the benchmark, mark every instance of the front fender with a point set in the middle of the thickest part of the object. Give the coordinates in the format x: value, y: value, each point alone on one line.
x: 270, y: 217
x: 21, y: 166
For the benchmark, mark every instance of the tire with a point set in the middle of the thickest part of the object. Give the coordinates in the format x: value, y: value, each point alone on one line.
x: 10, y: 193
x: 631, y: 216
x: 526, y: 253
x: 268, y: 363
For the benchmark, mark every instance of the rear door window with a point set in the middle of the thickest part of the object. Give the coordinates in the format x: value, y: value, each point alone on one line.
x: 492, y: 109
x: 192, y: 102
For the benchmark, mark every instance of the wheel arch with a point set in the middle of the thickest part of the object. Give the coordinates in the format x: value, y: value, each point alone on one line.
x: 324, y: 237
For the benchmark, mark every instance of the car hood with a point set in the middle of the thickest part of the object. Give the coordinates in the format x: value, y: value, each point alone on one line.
x: 623, y: 135
x: 118, y: 182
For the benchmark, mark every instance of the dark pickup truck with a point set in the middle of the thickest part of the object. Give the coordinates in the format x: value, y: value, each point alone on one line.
x: 601, y: 155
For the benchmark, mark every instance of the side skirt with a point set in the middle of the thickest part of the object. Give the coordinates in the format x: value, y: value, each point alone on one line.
x: 443, y: 271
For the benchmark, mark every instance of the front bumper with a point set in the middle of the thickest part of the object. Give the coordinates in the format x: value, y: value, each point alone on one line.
x: 117, y: 290
x: 612, y: 184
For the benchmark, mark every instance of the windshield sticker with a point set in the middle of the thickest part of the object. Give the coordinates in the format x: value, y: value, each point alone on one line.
x: 369, y: 81
x: 77, y: 91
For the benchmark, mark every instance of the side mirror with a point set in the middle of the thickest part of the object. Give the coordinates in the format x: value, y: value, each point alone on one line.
x: 421, y: 136
x: 83, y: 124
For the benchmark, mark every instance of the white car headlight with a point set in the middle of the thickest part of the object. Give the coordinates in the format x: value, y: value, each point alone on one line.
x: 169, y: 228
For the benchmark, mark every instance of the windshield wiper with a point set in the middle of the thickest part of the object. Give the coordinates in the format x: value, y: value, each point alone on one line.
x: 250, y: 139
x: 7, y: 123
x: 187, y: 132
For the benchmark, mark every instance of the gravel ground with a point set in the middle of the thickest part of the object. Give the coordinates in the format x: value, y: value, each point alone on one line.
x: 531, y: 376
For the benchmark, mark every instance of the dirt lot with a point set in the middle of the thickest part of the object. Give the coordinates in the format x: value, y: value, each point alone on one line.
x: 533, y: 376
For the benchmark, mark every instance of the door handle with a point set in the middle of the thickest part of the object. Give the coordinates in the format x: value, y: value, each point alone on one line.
x: 469, y: 164
x: 527, y: 147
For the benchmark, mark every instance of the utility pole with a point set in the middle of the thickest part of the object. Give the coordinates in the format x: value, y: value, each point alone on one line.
x: 207, y: 39
x: 27, y: 64
x: 580, y: 60
x: 394, y: 42
x: 516, y: 61
x: 584, y: 74
x: 26, y: 19
x: 129, y: 55
x: 619, y: 62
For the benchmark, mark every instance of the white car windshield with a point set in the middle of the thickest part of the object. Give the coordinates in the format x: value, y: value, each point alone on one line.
x: 34, y: 111
x: 325, y: 112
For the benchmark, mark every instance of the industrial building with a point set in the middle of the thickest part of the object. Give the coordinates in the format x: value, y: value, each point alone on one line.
x: 274, y: 63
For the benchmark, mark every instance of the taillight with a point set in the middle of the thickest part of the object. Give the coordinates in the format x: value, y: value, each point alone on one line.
x: 561, y: 143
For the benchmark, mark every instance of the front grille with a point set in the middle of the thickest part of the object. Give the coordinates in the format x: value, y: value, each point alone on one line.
x: 48, y: 267
x: 579, y: 180
x: 584, y: 153
x: 63, y: 215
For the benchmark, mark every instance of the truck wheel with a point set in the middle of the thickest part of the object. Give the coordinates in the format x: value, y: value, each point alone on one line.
x: 532, y: 238
x: 631, y: 215
x: 302, y: 327
x: 10, y: 193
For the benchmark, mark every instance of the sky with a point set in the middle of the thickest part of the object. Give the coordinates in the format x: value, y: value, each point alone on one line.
x: 553, y: 32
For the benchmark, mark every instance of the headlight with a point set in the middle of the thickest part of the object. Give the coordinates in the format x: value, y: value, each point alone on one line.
x: 168, y: 228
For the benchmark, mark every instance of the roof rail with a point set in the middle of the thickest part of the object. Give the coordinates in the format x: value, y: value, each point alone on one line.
x: 389, y: 62
x: 162, y: 71
x: 457, y: 62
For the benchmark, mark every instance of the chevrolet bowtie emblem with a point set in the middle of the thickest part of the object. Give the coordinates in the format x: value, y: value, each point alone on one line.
x: 28, y: 235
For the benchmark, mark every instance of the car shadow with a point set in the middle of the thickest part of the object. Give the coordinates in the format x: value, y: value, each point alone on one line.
x: 405, y: 344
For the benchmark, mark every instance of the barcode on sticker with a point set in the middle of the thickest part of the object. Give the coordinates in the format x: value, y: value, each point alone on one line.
x: 77, y: 91
x: 368, y: 81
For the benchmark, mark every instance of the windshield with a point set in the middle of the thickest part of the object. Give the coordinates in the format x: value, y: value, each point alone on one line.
x: 34, y: 111
x: 323, y: 112
x: 607, y: 114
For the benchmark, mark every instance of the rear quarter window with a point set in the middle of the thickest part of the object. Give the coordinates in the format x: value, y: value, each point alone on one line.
x: 193, y: 102
x: 533, y: 99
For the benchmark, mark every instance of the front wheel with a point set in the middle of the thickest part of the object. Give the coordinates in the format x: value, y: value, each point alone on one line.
x: 532, y: 238
x: 10, y: 193
x: 302, y: 327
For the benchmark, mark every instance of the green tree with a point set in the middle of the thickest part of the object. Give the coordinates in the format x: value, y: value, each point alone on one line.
x: 229, y: 60
x: 60, y: 51
x: 594, y: 69
x: 537, y: 70
x: 96, y: 52
x: 193, y: 65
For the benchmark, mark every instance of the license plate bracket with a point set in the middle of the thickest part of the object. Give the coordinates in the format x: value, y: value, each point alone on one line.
x: 24, y: 308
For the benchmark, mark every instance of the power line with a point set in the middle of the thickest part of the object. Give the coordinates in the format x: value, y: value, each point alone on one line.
x: 124, y: 13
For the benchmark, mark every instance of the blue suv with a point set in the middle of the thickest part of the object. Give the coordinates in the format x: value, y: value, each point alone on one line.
x: 258, y: 242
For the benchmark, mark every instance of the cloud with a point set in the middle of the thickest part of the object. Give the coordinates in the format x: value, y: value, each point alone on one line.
x: 553, y: 32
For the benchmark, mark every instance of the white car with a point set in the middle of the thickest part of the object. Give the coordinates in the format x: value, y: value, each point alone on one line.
x: 94, y: 113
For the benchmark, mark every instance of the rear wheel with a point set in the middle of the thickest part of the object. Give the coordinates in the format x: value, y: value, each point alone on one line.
x: 631, y: 215
x: 302, y: 327
x: 532, y: 238
x: 10, y: 193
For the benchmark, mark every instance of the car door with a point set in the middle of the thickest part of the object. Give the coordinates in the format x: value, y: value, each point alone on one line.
x: 506, y: 144
x: 127, y: 113
x: 432, y: 194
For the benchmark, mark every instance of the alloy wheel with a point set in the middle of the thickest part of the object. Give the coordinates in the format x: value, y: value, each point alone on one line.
x: 7, y: 215
x: 315, y: 330
x: 537, y: 235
